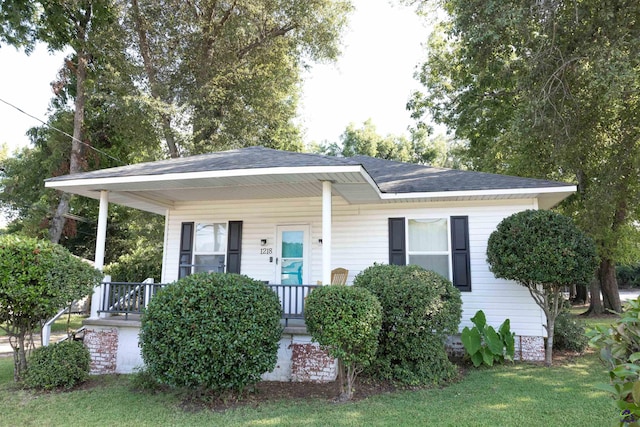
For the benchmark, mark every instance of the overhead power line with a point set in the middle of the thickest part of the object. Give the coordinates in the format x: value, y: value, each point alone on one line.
x: 63, y: 132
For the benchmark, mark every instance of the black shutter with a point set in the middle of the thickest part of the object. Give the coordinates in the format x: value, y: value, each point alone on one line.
x: 234, y: 246
x: 397, y: 244
x: 186, y: 249
x: 460, y: 254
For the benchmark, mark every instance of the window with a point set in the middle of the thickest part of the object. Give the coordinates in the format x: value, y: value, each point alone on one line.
x: 209, y: 249
x: 428, y: 244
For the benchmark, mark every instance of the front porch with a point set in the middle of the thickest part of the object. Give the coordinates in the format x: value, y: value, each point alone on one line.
x: 112, y: 331
x: 126, y: 301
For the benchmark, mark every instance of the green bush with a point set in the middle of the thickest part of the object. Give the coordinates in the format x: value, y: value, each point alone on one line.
x: 144, y: 262
x: 64, y: 364
x: 211, y: 331
x: 485, y: 345
x: 346, y: 322
x: 420, y: 309
x: 569, y: 333
x: 619, y: 347
x: 37, y: 279
x: 628, y: 276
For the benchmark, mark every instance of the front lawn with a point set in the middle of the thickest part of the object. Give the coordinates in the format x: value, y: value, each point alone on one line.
x: 510, y: 395
x: 60, y: 325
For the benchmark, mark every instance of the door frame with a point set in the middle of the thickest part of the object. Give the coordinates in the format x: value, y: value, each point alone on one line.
x: 306, y: 251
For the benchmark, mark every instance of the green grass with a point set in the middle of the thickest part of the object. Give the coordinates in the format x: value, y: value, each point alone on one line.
x: 509, y: 395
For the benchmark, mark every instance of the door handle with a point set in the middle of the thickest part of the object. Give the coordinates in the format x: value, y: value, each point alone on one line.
x: 276, y: 260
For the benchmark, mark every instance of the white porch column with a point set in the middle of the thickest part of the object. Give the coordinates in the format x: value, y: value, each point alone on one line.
x: 326, y: 232
x: 101, y: 238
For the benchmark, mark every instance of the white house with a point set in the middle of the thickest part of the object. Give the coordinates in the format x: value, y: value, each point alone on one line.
x: 289, y: 218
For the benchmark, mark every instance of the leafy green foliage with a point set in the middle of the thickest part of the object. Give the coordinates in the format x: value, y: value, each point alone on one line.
x: 485, y: 345
x: 628, y: 276
x: 63, y: 364
x: 619, y: 347
x: 569, y: 332
x: 420, y: 310
x: 366, y: 141
x: 346, y: 321
x: 537, y: 91
x: 211, y: 331
x: 539, y: 247
x: 543, y: 251
x: 37, y: 278
x: 144, y: 262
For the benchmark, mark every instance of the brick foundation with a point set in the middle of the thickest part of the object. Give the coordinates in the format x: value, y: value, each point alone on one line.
x: 103, y: 348
x: 311, y: 364
x: 528, y: 349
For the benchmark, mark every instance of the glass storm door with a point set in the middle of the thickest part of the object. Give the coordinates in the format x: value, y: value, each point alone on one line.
x: 292, y: 255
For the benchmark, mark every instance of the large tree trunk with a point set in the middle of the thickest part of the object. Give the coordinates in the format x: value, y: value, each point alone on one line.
x: 76, y: 163
x: 609, y: 285
x: 595, y: 304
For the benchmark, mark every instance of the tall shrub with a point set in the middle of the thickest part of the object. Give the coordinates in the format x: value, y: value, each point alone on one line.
x: 346, y: 321
x: 544, y: 252
x: 212, y: 331
x: 420, y: 310
x: 37, y: 278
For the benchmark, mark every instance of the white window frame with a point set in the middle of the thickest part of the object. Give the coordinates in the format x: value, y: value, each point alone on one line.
x: 447, y: 252
x: 197, y: 253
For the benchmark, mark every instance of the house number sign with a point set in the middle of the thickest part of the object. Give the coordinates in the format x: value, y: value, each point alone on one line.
x: 266, y: 251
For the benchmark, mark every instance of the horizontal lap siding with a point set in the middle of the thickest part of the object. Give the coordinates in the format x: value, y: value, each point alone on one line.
x: 360, y: 238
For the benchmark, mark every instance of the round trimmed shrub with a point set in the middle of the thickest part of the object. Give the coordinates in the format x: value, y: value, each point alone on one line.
x: 211, y: 331
x: 345, y: 321
x: 63, y: 364
x: 420, y: 310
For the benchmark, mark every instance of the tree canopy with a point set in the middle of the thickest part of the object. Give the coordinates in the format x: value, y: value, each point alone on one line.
x: 146, y: 80
x: 548, y: 90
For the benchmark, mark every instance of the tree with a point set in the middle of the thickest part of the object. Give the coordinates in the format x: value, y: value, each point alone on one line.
x: 549, y: 90
x: 37, y: 278
x: 230, y: 70
x: 367, y: 141
x: 544, y: 252
x: 70, y: 23
x: 346, y: 321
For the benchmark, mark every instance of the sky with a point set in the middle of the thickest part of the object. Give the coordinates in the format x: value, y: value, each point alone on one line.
x: 372, y: 79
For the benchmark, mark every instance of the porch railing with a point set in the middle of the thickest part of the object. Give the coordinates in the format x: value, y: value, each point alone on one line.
x: 125, y: 298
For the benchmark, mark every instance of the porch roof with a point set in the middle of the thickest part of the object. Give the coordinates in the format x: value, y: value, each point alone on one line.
x: 262, y: 173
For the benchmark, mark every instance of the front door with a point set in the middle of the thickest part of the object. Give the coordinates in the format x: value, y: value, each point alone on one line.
x: 292, y: 255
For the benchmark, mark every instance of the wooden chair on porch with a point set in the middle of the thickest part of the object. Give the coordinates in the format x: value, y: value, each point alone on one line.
x: 339, y: 276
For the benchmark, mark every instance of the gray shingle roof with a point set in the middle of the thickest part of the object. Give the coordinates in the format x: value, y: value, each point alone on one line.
x: 390, y: 176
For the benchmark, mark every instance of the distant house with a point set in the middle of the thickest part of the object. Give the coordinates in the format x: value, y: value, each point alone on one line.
x: 289, y: 218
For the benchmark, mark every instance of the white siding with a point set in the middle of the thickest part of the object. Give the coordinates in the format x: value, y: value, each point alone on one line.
x: 360, y: 238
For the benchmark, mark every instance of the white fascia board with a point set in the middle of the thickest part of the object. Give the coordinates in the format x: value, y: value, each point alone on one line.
x: 477, y: 193
x: 302, y: 170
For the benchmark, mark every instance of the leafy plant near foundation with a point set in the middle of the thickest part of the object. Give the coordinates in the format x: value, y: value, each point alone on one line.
x: 619, y: 346
x: 485, y: 345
